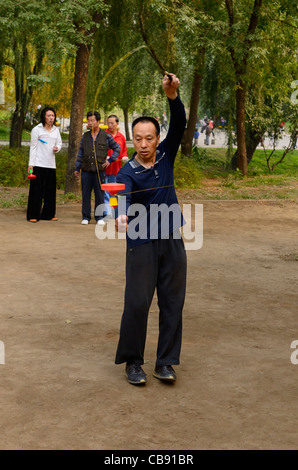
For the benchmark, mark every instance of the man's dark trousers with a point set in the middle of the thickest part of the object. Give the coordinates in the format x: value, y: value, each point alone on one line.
x: 159, y: 264
x: 89, y: 181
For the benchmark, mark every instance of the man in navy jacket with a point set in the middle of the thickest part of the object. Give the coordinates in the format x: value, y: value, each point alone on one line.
x: 155, y: 257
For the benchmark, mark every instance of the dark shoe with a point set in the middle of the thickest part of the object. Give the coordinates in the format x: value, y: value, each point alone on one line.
x: 135, y: 374
x: 165, y: 373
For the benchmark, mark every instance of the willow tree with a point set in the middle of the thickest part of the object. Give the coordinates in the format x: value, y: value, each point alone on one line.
x: 123, y: 77
x: 186, y: 28
x: 243, y: 21
x: 81, y: 19
x: 23, y: 48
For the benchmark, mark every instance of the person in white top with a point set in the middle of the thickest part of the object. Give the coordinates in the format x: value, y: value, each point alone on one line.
x: 45, y: 143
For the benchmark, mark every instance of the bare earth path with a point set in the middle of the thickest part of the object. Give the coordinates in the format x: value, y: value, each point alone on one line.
x: 61, y: 303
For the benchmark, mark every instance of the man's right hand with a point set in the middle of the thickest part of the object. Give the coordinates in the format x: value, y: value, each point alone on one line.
x: 121, y: 223
x: 170, y: 86
x: 77, y: 174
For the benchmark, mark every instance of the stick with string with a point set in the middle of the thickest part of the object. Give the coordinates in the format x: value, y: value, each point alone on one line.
x: 150, y: 48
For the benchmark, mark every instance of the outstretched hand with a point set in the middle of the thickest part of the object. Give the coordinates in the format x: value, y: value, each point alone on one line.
x: 170, y: 85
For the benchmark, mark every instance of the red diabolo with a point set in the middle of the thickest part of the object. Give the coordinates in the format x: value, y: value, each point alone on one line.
x: 31, y: 176
x: 113, y: 189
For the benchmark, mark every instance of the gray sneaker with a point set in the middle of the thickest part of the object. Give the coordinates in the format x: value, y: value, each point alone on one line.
x: 135, y: 374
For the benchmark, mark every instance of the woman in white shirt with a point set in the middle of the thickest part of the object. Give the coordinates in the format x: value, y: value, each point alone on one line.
x: 45, y: 143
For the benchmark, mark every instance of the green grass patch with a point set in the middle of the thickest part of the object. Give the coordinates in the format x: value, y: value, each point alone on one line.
x: 289, y: 166
x: 215, y: 162
x: 11, y: 198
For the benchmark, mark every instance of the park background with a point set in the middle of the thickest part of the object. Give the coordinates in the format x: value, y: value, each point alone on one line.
x: 235, y: 60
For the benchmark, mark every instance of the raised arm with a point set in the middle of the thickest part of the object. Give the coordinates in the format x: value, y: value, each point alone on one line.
x: 178, y: 118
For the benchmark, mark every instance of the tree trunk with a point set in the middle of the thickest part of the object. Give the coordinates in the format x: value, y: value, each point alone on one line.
x: 77, y: 115
x: 240, y: 123
x: 16, y: 130
x: 23, y: 89
x: 252, y: 141
x: 17, y: 123
x: 186, y: 144
x: 126, y: 124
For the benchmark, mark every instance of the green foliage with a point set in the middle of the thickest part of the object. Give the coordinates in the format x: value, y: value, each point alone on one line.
x: 204, y: 158
x: 61, y: 164
x: 13, y: 165
x: 187, y: 173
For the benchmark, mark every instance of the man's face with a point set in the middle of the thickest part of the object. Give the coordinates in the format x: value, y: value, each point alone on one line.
x: 49, y: 118
x: 145, y: 140
x: 112, y: 125
x: 92, y: 123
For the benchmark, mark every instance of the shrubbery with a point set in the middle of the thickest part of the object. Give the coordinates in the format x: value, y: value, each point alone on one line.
x: 14, y: 167
x: 189, y: 171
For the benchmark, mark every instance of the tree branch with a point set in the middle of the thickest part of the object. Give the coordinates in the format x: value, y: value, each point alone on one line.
x: 229, y: 6
x: 254, y: 17
x: 145, y: 38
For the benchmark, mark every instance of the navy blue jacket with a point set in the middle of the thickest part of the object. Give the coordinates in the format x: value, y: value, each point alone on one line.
x: 159, y: 214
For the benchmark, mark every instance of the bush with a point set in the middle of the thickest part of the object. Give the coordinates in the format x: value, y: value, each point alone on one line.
x: 13, y: 166
x: 61, y: 164
x: 187, y: 173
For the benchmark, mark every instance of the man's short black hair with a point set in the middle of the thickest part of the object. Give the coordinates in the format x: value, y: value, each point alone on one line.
x: 147, y: 119
x: 94, y: 113
x: 114, y: 116
x: 43, y: 114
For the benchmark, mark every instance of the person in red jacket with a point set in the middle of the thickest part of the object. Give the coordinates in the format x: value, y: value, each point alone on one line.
x: 112, y: 170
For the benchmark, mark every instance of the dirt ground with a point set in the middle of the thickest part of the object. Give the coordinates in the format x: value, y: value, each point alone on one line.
x: 61, y: 303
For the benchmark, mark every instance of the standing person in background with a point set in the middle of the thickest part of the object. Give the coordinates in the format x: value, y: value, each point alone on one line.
x: 208, y: 132
x: 45, y: 143
x: 114, y: 167
x: 196, y: 136
x: 164, y: 124
x: 92, y: 160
